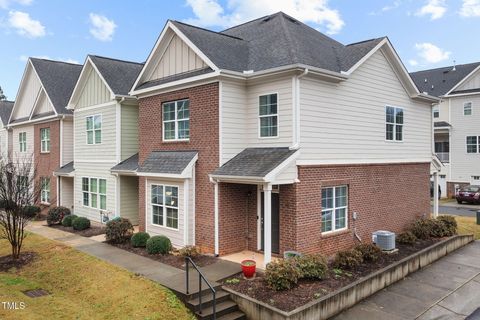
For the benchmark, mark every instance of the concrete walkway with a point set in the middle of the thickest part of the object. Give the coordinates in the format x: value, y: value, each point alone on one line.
x: 166, y: 275
x: 446, y: 289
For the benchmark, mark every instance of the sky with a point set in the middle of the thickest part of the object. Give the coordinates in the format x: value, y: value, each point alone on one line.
x: 425, y: 33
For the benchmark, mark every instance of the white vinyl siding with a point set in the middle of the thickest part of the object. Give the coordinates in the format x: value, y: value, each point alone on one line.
x: 94, y: 92
x: 45, y: 140
x: 67, y: 145
x: 176, y: 120
x: 94, y: 129
x: 42, y: 105
x: 66, y: 192
x: 129, y: 135
x: 27, y: 94
x: 3, y: 143
x: 345, y: 122
x: 334, y: 208
x: 471, y: 83
x: 129, y: 198
x: 467, y: 109
x: 45, y: 190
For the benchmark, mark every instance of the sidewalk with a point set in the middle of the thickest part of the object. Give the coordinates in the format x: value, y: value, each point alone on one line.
x: 166, y: 275
x: 446, y: 289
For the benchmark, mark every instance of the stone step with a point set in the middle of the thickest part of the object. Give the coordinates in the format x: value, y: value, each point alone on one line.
x: 222, y: 308
x: 235, y: 315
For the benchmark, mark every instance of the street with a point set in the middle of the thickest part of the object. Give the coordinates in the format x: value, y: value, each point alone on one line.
x: 453, y: 208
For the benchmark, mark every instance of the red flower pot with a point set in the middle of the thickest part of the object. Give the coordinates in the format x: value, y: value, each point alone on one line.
x: 248, y: 268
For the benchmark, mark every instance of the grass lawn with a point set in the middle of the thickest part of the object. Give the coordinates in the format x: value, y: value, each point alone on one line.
x: 81, y: 287
x: 467, y: 225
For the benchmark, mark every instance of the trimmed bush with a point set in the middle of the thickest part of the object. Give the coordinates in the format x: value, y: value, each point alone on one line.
x: 80, y: 223
x: 370, y: 252
x: 32, y: 211
x: 282, y: 274
x: 450, y: 225
x: 118, y: 230
x: 67, y: 220
x: 439, y: 229
x: 159, y: 244
x: 423, y: 228
x: 139, y: 239
x: 189, y: 251
x: 55, y: 215
x: 348, y: 259
x: 311, y: 266
x: 406, y: 237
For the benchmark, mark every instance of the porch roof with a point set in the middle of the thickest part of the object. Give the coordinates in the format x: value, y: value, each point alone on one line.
x: 173, y: 164
x: 256, y: 164
x: 441, y: 124
x: 65, y: 171
x: 129, y: 165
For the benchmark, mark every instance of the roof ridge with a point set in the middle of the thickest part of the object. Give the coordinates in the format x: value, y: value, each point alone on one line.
x: 364, y: 41
x: 115, y: 59
x: 451, y: 66
x: 208, y: 30
x: 246, y: 22
x: 55, y: 61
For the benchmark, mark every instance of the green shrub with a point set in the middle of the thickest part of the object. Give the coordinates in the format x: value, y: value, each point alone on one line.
x: 450, y: 225
x: 80, y: 223
x: 406, y: 237
x: 348, y: 259
x: 159, y: 244
x: 118, y: 230
x: 370, y: 252
x: 422, y: 228
x: 282, y: 274
x: 32, y: 211
x: 439, y: 229
x: 311, y: 266
x: 139, y: 239
x: 67, y: 220
x: 189, y: 251
x: 55, y: 215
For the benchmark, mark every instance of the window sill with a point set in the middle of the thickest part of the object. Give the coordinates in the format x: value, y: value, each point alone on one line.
x: 164, y: 227
x: 45, y: 203
x: 176, y: 141
x: 44, y: 152
x: 331, y: 234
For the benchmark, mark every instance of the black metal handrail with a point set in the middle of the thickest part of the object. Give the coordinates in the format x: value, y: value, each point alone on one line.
x: 201, y: 277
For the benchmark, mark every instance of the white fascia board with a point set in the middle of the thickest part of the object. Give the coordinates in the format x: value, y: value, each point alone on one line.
x: 460, y: 94
x: 161, y: 175
x: 237, y: 179
x: 357, y: 162
x: 36, y: 121
x: 463, y: 80
x: 124, y: 172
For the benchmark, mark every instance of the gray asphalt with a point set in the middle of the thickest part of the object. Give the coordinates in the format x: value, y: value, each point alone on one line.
x: 467, y: 212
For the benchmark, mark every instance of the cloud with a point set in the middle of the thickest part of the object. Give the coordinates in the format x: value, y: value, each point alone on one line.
x: 5, y: 4
x: 210, y: 13
x: 24, y: 58
x: 24, y: 25
x: 102, y: 27
x: 413, y: 62
x: 470, y: 8
x: 430, y: 53
x: 435, y: 8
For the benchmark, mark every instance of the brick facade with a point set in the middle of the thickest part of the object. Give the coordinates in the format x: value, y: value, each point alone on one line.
x: 46, y: 163
x: 204, y: 120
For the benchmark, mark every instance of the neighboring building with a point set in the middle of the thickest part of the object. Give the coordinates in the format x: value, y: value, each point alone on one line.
x: 456, y: 122
x: 5, y: 139
x: 106, y: 140
x: 271, y: 136
x: 41, y: 127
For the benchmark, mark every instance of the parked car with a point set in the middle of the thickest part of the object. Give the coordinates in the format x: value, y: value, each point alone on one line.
x: 431, y: 190
x: 470, y: 194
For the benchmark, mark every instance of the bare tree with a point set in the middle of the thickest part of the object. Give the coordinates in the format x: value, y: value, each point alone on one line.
x: 17, y: 193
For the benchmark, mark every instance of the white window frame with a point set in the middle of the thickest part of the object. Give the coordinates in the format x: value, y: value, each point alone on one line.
x: 333, y: 209
x: 93, y: 129
x: 477, y: 144
x: 394, y: 123
x: 471, y: 108
x: 164, y: 206
x: 44, y: 141
x: 277, y: 115
x: 22, y: 141
x: 45, y: 190
x: 96, y: 192
x: 176, y: 121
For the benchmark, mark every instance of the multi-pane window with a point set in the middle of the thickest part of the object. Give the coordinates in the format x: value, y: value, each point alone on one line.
x: 94, y: 193
x: 334, y: 208
x: 473, y: 144
x: 45, y: 139
x: 436, y: 112
x: 45, y: 190
x: 394, y: 123
x: 467, y: 109
x: 268, y: 115
x: 22, y: 141
x: 94, y: 129
x: 164, y: 201
x: 176, y: 120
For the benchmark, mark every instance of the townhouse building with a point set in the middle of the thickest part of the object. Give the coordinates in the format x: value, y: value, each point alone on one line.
x: 270, y: 136
x: 456, y: 120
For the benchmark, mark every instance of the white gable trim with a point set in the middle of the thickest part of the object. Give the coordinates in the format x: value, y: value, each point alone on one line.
x: 171, y: 26
x: 462, y: 81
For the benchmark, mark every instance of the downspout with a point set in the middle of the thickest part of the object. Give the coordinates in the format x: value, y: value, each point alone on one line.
x: 296, y: 109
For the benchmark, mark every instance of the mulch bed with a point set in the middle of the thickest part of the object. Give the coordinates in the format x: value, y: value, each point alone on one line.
x: 90, y: 232
x: 308, y: 290
x: 7, y: 262
x: 170, y: 259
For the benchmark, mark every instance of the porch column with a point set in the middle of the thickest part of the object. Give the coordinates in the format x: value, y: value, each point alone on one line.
x: 216, y: 218
x: 435, y: 194
x: 267, y: 223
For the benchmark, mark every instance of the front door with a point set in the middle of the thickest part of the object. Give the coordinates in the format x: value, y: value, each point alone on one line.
x: 275, y: 222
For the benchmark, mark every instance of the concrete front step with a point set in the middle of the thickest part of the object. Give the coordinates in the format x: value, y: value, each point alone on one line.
x: 207, y: 299
x: 236, y: 315
x: 222, y: 309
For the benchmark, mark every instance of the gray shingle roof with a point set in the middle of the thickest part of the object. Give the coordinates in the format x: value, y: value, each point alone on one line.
x: 175, y: 77
x: 5, y: 110
x: 65, y: 170
x: 59, y: 79
x: 441, y: 80
x: 437, y: 124
x: 170, y: 162
x: 129, y: 164
x: 120, y: 75
x: 254, y: 162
